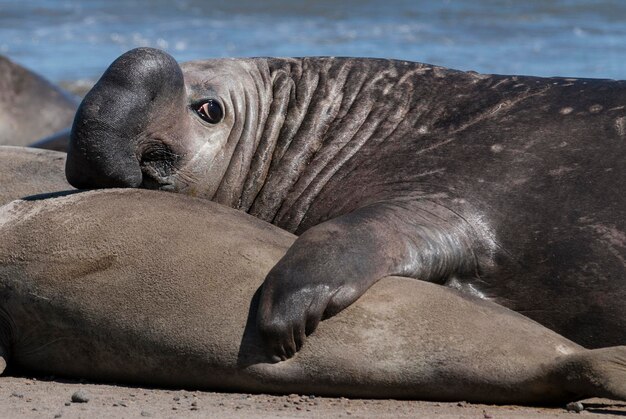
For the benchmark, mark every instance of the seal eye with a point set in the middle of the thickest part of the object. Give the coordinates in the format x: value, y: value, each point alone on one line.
x: 210, y: 111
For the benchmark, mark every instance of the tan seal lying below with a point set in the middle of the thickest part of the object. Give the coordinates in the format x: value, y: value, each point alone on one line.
x: 161, y: 289
x: 29, y: 171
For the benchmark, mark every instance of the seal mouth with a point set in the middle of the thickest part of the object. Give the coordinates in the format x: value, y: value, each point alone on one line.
x: 151, y: 179
x: 158, y: 162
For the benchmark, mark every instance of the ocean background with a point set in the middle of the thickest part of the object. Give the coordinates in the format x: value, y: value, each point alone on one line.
x: 74, y: 40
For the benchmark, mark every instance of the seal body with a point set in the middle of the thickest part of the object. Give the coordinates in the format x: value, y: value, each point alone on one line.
x: 149, y: 288
x: 507, y: 187
x: 31, y: 108
x: 56, y: 142
x: 28, y: 171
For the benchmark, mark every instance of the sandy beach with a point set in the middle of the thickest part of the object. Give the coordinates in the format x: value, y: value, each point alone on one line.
x: 29, y: 397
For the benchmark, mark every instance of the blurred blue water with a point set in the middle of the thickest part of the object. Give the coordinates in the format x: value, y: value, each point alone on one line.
x: 66, y: 40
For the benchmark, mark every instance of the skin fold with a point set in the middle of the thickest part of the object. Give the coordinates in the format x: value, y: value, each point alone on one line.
x: 157, y: 289
x: 508, y: 188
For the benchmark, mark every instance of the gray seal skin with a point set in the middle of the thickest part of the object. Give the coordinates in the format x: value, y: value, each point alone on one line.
x: 29, y: 171
x: 31, y: 108
x: 151, y: 288
x: 507, y: 187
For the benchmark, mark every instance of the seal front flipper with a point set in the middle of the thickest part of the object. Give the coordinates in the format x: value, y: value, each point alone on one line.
x: 332, y: 264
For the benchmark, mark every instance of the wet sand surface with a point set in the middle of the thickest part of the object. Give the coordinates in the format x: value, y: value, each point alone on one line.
x: 28, y: 397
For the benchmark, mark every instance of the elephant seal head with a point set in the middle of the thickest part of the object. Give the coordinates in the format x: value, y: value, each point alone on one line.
x: 150, y: 123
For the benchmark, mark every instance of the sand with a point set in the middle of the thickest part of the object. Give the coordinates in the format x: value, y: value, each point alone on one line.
x: 28, y: 397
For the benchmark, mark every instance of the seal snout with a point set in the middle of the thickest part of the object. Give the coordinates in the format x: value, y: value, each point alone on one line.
x: 85, y: 171
x: 103, y: 143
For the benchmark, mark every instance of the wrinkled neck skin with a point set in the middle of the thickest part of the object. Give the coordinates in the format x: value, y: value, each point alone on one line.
x: 297, y: 122
x: 322, y: 112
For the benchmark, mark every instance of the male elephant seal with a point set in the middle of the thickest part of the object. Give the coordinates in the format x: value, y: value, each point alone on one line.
x: 511, y: 188
x: 30, y: 107
x: 151, y: 288
x: 29, y: 171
